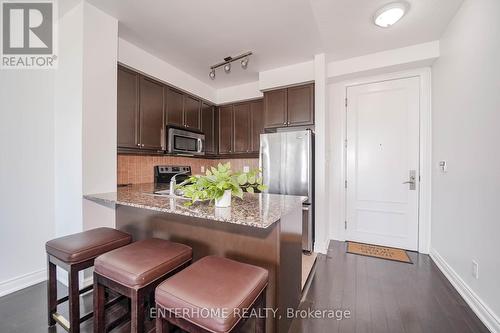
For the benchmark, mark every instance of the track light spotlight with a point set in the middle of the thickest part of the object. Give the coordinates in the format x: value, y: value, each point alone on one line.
x: 244, y: 63
x: 212, y: 74
x: 227, y: 67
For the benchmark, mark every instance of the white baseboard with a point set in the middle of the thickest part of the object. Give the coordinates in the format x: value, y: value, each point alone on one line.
x: 21, y: 282
x: 485, y: 314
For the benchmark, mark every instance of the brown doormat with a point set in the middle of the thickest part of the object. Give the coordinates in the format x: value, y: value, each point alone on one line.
x: 376, y: 251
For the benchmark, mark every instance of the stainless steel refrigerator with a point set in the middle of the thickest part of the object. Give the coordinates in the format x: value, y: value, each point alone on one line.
x: 287, y: 163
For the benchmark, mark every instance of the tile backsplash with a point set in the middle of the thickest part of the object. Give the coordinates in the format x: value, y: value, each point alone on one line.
x: 137, y: 169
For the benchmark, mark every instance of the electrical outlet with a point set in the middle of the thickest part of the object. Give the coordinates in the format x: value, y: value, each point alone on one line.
x: 246, y: 168
x: 202, y: 169
x: 475, y: 269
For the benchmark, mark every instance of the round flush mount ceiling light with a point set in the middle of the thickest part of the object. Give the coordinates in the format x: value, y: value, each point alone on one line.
x: 390, y: 14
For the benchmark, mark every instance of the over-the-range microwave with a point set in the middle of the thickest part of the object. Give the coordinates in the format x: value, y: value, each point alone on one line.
x: 184, y: 141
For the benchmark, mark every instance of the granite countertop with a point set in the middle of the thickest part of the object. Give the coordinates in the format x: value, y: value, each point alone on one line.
x: 256, y: 210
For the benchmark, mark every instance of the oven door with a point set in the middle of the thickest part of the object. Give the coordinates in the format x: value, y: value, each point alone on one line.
x: 185, y: 142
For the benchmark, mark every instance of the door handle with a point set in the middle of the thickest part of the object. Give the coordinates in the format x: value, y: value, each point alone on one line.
x: 412, y: 182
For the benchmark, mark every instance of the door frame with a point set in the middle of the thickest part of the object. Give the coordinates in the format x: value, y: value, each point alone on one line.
x: 339, y: 176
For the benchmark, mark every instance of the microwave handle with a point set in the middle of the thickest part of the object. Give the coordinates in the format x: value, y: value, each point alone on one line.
x: 200, y: 145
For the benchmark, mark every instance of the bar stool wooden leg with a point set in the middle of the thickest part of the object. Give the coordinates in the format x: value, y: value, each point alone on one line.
x: 161, y: 325
x: 260, y: 322
x: 137, y: 311
x: 51, y: 291
x: 99, y: 296
x: 74, y: 301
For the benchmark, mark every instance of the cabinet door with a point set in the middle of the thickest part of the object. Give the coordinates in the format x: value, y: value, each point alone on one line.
x: 191, y: 112
x: 128, y: 109
x: 208, y: 127
x: 174, y: 110
x: 225, y: 129
x: 257, y: 124
x: 151, y: 114
x: 300, y: 105
x: 275, y: 108
x: 241, y: 128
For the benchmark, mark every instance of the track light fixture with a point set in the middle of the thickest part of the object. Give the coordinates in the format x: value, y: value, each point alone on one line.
x: 226, y: 64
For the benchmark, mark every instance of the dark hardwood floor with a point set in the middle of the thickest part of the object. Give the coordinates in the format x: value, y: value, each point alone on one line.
x: 381, y: 295
x: 384, y: 296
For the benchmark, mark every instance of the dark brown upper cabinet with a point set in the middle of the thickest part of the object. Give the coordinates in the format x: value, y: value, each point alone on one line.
x: 300, y: 105
x: 151, y: 114
x: 208, y: 128
x: 275, y: 108
x: 128, y: 108
x: 292, y: 106
x: 225, y: 129
x: 257, y: 124
x: 175, y: 107
x: 191, y: 112
x: 241, y: 128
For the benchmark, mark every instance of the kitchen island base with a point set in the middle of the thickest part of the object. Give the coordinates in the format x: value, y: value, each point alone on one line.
x: 277, y: 248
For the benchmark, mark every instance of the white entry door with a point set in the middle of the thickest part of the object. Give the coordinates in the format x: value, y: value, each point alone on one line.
x: 382, y: 173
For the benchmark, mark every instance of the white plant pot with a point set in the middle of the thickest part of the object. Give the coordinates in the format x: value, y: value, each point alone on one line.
x: 225, y: 200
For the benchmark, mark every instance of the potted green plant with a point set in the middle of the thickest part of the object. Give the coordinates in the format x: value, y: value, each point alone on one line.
x: 220, y: 184
x: 251, y: 181
x: 217, y: 184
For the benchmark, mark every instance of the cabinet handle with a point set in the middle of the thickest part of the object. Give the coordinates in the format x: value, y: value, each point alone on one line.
x: 284, y: 123
x: 138, y: 145
x: 142, y: 144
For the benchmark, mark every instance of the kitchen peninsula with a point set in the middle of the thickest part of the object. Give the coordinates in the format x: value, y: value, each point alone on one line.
x: 260, y: 229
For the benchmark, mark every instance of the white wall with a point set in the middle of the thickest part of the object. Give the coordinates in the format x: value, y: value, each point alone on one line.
x: 26, y: 175
x: 138, y: 59
x: 414, y: 56
x: 99, y: 123
x: 68, y: 123
x: 239, y: 92
x: 466, y: 133
x: 287, y: 75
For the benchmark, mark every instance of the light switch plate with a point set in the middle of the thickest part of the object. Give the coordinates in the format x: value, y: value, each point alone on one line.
x: 443, y: 166
x: 202, y: 169
x: 246, y: 168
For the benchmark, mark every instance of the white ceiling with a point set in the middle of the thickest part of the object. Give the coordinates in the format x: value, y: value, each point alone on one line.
x: 194, y: 34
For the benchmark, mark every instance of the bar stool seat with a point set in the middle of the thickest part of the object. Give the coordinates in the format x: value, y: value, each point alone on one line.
x: 134, y: 271
x: 75, y: 253
x: 86, y: 245
x: 140, y: 263
x: 210, y: 283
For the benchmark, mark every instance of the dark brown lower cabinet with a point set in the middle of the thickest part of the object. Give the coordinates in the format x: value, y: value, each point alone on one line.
x: 225, y: 130
x: 208, y: 128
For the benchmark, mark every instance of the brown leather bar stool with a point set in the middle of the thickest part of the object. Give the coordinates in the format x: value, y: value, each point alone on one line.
x: 134, y: 271
x: 74, y: 253
x: 187, y: 299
